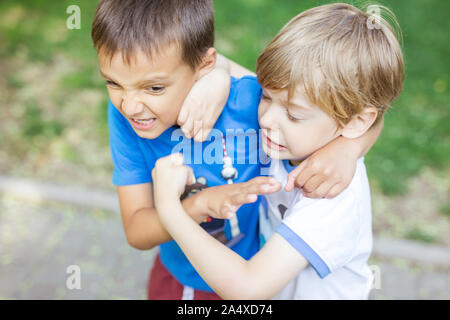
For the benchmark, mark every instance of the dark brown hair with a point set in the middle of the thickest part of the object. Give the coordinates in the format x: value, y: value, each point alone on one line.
x: 151, y: 25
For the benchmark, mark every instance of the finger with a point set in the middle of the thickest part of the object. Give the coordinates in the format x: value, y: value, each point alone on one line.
x: 191, y: 176
x: 197, y: 130
x: 296, y: 176
x: 184, y: 112
x: 203, y: 134
x: 313, y: 183
x: 261, y: 184
x: 242, y: 198
x: 320, y: 192
x: 176, y: 159
x: 262, y: 188
x: 187, y: 128
x: 335, y: 191
x: 227, y: 211
x: 183, y: 116
x: 261, y: 180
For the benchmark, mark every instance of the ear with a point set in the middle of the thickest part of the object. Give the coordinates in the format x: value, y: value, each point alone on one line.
x: 208, y: 63
x: 360, y: 123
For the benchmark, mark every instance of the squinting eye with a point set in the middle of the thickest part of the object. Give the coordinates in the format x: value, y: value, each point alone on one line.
x: 155, y: 89
x: 111, y: 83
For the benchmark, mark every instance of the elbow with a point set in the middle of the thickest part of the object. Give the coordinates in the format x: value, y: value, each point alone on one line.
x: 138, y: 244
x: 241, y: 289
x: 246, y: 294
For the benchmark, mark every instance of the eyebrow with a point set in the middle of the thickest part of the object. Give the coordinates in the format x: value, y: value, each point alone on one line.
x: 297, y: 105
x: 145, y: 81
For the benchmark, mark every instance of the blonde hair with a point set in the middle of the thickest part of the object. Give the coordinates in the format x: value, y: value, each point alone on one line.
x: 344, y: 58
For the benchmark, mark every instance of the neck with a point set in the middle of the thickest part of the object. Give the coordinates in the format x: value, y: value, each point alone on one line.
x: 295, y: 163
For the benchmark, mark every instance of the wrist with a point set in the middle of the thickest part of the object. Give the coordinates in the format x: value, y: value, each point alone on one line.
x: 166, y: 202
x: 196, y: 207
x: 200, y: 206
x: 354, y: 146
x: 170, y: 213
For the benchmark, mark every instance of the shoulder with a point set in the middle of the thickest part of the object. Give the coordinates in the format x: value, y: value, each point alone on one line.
x: 333, y: 228
x: 352, y: 197
x: 360, y: 182
x: 245, y: 91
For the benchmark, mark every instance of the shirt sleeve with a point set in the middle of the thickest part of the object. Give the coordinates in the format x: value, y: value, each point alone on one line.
x: 129, y: 163
x: 325, y: 231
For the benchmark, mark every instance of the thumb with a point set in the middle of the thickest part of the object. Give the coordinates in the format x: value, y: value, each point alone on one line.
x: 176, y: 159
x: 190, y: 176
x: 293, y: 175
x: 184, y: 112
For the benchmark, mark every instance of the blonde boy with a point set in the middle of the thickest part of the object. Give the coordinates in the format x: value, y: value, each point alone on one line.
x: 330, y: 72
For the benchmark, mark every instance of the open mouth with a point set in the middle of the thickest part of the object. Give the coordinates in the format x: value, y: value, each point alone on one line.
x: 271, y: 144
x: 143, y: 124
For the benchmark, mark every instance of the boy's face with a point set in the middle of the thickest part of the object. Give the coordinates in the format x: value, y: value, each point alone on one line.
x: 149, y: 92
x: 293, y: 131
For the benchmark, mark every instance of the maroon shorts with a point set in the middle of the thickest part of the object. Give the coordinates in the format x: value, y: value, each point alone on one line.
x: 163, y: 286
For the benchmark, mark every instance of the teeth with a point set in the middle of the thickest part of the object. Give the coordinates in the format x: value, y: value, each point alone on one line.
x: 143, y: 121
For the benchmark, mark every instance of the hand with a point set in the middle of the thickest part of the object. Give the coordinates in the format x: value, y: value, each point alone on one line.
x: 204, y: 104
x: 222, y: 202
x: 327, y: 172
x: 170, y: 177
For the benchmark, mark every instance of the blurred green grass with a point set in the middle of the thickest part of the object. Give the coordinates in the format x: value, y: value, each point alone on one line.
x: 416, y: 132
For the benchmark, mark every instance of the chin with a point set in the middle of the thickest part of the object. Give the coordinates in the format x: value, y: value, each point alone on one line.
x: 152, y: 134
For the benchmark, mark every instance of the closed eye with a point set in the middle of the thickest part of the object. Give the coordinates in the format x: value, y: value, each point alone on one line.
x: 267, y: 98
x: 291, y: 118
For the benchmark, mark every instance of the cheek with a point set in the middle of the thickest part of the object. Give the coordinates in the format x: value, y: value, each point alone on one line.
x: 167, y: 107
x: 261, y: 110
x: 300, y: 137
x: 115, y: 96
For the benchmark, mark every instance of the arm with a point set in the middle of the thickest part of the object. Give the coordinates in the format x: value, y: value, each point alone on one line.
x: 141, y: 222
x: 226, y: 272
x: 207, y: 98
x: 142, y: 226
x: 238, y: 71
x: 328, y: 171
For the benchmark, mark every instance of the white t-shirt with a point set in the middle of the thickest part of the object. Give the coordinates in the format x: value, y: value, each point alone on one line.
x: 334, y: 235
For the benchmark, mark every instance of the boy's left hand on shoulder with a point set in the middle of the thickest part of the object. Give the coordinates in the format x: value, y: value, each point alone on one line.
x: 204, y: 104
x: 325, y: 173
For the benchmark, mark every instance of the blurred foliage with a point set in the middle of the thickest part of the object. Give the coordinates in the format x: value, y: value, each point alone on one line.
x: 59, y: 110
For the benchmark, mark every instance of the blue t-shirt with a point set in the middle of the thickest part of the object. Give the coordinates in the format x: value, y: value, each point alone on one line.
x: 134, y: 158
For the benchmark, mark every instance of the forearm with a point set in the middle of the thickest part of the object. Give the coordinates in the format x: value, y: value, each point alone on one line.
x: 144, y: 229
x: 232, y: 67
x: 222, y: 63
x: 225, y: 271
x: 371, y: 136
x: 361, y: 146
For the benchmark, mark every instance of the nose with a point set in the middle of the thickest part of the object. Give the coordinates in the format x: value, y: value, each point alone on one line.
x: 131, y: 104
x: 268, y: 118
